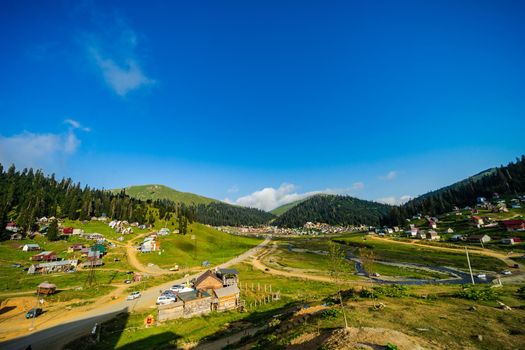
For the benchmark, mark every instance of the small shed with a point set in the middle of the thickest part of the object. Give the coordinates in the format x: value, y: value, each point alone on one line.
x: 46, y: 288
x: 67, y: 231
x: 226, y: 298
x: 30, y: 247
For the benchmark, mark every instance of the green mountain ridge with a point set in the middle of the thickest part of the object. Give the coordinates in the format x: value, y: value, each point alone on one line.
x: 155, y: 191
x: 334, y: 210
x: 285, y: 207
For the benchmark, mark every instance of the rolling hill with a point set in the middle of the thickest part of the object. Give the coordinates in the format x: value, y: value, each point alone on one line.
x: 334, y: 210
x: 154, y: 192
x: 285, y: 207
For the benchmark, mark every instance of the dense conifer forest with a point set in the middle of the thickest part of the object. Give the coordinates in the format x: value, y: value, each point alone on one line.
x: 334, y: 210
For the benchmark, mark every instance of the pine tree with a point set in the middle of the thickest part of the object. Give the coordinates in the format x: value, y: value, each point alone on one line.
x: 52, y: 231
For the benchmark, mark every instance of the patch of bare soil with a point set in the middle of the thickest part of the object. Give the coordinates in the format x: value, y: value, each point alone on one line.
x: 361, y: 338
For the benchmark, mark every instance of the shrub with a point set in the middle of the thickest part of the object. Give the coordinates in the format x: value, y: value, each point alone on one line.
x: 330, y: 313
x: 477, y: 293
x: 391, y: 346
x: 393, y: 290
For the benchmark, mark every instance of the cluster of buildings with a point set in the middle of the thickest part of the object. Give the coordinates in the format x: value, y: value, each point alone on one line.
x: 49, y: 262
x: 214, y: 290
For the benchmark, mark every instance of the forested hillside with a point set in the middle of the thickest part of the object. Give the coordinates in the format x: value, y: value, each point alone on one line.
x: 334, y: 210
x: 509, y: 179
x: 284, y: 208
x: 219, y: 213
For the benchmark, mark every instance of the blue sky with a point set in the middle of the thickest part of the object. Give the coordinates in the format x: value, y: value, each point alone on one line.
x: 262, y: 102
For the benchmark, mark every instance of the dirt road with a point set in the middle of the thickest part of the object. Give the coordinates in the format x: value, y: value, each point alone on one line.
x: 56, y: 333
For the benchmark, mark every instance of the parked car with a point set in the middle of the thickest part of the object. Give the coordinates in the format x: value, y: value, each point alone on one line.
x: 34, y: 312
x: 506, y: 273
x: 166, y: 299
x: 180, y: 288
x: 127, y: 281
x: 134, y: 295
x: 482, y: 276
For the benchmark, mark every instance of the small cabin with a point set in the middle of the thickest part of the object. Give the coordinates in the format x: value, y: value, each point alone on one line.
x: 45, y: 256
x: 226, y: 298
x: 46, y: 288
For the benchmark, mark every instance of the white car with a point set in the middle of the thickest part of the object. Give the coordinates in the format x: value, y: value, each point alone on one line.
x: 506, y: 273
x: 165, y: 299
x: 180, y: 288
x: 482, y: 276
x: 134, y: 295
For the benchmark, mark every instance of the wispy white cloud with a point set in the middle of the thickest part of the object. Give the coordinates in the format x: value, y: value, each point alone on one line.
x: 122, y: 78
x: 392, y: 174
x: 270, y: 198
x: 41, y: 150
x: 76, y: 125
x: 114, y: 51
x: 37, y: 150
x: 392, y: 200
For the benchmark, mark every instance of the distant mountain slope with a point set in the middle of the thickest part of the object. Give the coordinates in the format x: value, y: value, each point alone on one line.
x: 224, y: 214
x: 470, y: 179
x: 154, y: 192
x: 334, y: 210
x: 285, y: 207
x: 509, y: 179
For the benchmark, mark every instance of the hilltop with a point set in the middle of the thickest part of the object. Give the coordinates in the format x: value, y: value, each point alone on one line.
x: 334, y: 210
x: 285, y: 207
x: 154, y: 192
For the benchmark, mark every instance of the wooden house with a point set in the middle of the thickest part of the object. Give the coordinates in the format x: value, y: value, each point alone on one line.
x: 513, y: 225
x: 45, y: 256
x: 46, y: 288
x: 226, y: 298
x: 207, y: 282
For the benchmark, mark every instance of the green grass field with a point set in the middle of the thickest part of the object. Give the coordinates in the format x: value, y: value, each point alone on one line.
x: 390, y: 251
x: 209, y: 245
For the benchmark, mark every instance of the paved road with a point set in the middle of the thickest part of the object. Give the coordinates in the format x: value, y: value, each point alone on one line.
x: 57, y: 336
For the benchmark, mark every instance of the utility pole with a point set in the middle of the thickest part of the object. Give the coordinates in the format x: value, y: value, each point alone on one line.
x: 469, y: 267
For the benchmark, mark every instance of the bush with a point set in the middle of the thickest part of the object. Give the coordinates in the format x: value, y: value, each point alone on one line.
x: 393, y: 290
x: 330, y: 313
x: 366, y: 293
x: 477, y: 293
x: 391, y: 346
